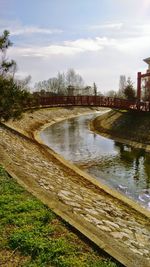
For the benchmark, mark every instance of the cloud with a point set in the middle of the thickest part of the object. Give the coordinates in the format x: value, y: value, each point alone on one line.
x: 143, y: 29
x: 65, y: 48
x: 97, y: 58
x: 111, y: 26
x: 44, y: 51
x: 145, y: 6
x: 84, y: 44
x: 90, y: 44
x: 134, y: 45
x: 33, y: 30
x: 16, y: 28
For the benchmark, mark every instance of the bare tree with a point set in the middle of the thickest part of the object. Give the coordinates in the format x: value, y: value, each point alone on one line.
x: 24, y: 83
x: 62, y: 83
x: 95, y: 89
x: 74, y: 79
x: 61, y: 88
x: 122, y: 85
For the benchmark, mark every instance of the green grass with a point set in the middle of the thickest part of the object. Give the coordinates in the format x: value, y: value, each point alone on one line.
x: 31, y: 230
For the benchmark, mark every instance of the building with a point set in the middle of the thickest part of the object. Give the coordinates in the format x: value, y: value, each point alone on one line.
x: 147, y: 60
x: 72, y: 91
x: 146, y: 87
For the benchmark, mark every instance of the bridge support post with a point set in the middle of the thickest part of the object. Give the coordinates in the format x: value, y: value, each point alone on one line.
x: 139, y: 86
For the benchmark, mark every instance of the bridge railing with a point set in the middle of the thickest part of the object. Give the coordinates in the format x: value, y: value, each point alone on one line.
x: 86, y: 100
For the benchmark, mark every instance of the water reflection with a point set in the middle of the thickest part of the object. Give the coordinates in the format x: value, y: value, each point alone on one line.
x: 138, y: 159
x: 125, y: 168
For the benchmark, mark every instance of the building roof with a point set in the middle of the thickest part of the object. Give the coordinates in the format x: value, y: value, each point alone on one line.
x: 147, y: 60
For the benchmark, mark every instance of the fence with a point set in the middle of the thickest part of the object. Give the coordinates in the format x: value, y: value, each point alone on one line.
x: 99, y: 101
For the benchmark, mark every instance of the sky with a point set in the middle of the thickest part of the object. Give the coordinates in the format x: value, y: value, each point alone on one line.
x: 100, y: 39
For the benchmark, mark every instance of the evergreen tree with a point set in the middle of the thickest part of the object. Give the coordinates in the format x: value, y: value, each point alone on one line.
x: 6, y: 67
x: 12, y: 97
x: 129, y: 91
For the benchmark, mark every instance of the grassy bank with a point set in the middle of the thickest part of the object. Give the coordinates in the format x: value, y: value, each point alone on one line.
x: 134, y: 126
x: 32, y: 235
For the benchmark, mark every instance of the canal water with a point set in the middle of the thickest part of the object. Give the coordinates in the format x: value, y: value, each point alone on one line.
x: 118, y: 165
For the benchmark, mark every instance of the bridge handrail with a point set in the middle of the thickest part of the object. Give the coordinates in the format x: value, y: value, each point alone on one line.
x: 90, y: 100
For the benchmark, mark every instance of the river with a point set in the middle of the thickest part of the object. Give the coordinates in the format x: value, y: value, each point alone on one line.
x: 118, y: 165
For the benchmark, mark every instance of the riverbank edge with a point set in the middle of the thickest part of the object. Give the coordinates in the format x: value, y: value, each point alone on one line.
x: 36, y: 133
x: 103, y: 132
x: 114, y: 193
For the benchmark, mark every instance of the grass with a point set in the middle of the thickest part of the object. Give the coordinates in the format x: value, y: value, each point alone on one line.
x: 31, y: 235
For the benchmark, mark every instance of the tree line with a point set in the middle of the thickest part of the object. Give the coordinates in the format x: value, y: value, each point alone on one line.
x: 15, y: 93
x: 69, y: 83
x: 126, y: 89
x: 59, y: 84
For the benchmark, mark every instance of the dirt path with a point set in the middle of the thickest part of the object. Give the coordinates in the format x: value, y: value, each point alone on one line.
x: 121, y: 231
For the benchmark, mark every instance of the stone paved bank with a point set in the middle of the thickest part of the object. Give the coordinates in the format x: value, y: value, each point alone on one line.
x: 122, y: 232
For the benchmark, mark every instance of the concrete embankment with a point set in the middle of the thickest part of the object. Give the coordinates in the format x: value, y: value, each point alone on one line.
x: 131, y: 127
x: 112, y: 223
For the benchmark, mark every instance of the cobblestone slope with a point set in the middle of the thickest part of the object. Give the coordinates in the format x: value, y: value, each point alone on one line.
x: 119, y: 230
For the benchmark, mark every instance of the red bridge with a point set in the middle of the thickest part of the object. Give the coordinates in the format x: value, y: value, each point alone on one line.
x: 96, y: 101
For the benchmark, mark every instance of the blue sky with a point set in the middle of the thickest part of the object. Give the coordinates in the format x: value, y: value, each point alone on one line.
x: 100, y: 39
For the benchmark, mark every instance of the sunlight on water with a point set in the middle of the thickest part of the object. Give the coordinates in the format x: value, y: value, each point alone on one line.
x: 120, y: 166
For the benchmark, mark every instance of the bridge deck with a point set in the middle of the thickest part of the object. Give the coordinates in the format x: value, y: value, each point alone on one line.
x: 99, y: 101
